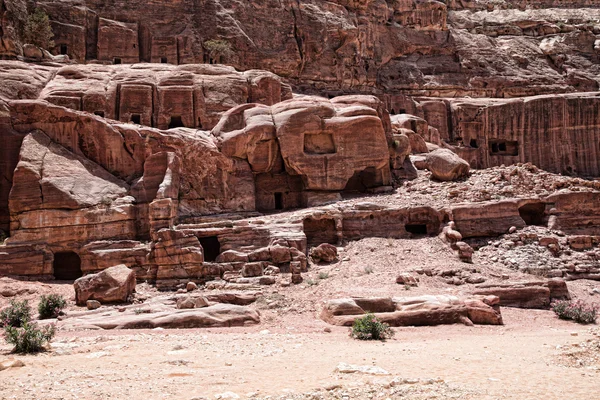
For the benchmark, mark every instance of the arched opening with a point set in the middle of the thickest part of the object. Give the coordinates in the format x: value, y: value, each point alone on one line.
x: 67, y: 266
x: 320, y: 231
x: 64, y: 49
x: 176, y: 122
x: 136, y: 119
x: 533, y: 213
x: 211, y: 247
x: 416, y: 229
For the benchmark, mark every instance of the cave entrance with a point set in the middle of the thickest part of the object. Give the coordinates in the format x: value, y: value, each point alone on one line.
x: 67, y: 266
x: 163, y: 60
x: 319, y: 231
x: 211, y: 247
x: 416, y: 229
x: 99, y: 113
x: 533, y: 213
x: 116, y: 60
x: 136, y: 119
x: 64, y: 49
x: 176, y: 122
x: 279, y: 201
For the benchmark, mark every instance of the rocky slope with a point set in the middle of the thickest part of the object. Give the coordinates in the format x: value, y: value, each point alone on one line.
x: 447, y: 48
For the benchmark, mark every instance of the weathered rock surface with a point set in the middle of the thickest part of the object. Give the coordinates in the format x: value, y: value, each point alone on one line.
x: 446, y: 165
x: 424, y: 310
x: 113, y: 285
x: 536, y: 294
x: 218, y: 315
x: 324, y: 252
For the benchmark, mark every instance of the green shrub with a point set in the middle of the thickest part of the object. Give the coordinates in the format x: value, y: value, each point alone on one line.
x: 38, y: 30
x: 217, y: 49
x: 577, y: 311
x: 370, y: 328
x: 16, y: 315
x: 51, y: 305
x: 323, y: 275
x: 30, y: 338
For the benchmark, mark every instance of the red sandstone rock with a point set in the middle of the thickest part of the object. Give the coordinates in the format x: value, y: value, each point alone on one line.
x: 424, y: 310
x: 113, y: 285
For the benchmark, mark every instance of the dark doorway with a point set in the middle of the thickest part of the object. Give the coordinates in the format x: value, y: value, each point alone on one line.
x: 136, y: 119
x: 211, y: 247
x: 163, y: 60
x: 473, y: 143
x: 279, y: 201
x: 67, y: 266
x: 533, y: 213
x: 416, y: 229
x: 63, y: 49
x: 199, y: 123
x: 99, y: 113
x: 116, y: 60
x: 176, y: 122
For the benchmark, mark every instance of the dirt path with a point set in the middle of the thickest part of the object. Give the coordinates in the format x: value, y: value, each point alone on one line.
x: 516, y: 361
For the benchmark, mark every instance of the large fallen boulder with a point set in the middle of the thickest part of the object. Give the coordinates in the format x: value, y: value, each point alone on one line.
x: 218, y: 315
x: 446, y: 165
x: 415, y: 311
x: 536, y: 294
x: 112, y: 285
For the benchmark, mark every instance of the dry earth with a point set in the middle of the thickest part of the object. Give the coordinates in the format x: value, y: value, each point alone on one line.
x: 291, y: 354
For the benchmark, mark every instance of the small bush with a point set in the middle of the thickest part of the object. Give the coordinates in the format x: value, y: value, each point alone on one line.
x: 38, y: 30
x: 370, y: 328
x: 310, y: 282
x: 323, y: 275
x: 369, y: 270
x: 217, y: 49
x: 577, y: 311
x: 51, y: 305
x: 16, y: 315
x: 30, y: 338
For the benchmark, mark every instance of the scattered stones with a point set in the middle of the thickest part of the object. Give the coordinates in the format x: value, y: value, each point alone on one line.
x: 190, y: 302
x: 11, y: 363
x: 344, y: 368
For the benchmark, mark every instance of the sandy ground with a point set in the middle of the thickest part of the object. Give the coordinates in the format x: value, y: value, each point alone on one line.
x: 517, y: 361
x: 291, y: 356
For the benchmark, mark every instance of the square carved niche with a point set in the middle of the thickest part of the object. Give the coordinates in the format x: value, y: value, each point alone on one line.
x: 320, y: 143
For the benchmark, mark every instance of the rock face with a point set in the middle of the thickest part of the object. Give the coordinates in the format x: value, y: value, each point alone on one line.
x: 433, y: 48
x: 113, y: 285
x: 424, y: 310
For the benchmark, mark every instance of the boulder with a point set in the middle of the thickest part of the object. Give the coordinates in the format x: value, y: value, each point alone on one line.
x: 218, y: 315
x: 446, y: 165
x: 92, y: 304
x: 416, y: 311
x: 190, y: 301
x: 324, y: 252
x: 535, y: 294
x: 465, y: 252
x: 406, y: 278
x: 113, y: 285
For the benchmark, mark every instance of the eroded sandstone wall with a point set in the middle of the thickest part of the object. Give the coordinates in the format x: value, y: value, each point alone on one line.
x: 418, y: 47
